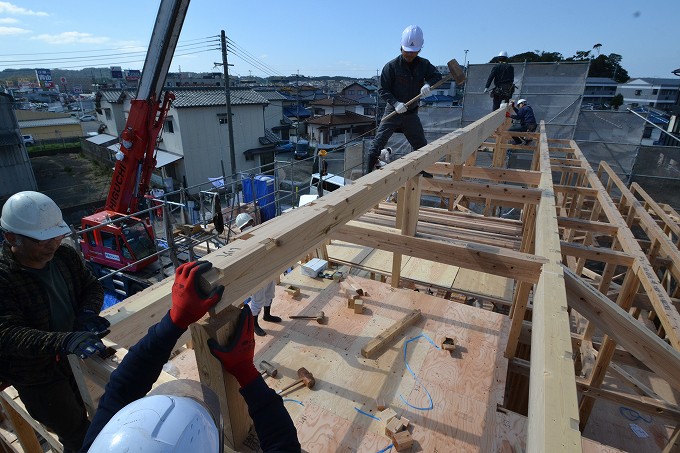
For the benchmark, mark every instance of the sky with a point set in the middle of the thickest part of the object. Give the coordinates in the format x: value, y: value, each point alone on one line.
x: 351, y: 38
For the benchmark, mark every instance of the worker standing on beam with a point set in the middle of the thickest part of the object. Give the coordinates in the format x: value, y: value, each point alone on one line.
x: 181, y: 416
x: 401, y: 80
x: 49, y: 308
x: 263, y: 298
x: 503, y: 77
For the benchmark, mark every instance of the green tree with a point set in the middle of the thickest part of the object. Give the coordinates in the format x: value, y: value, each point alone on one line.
x: 608, y: 66
x: 617, y: 101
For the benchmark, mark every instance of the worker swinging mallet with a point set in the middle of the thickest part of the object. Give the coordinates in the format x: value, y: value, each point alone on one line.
x: 305, y: 378
x: 455, y: 72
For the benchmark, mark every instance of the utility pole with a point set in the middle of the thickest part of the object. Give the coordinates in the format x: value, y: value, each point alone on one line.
x: 227, y: 93
x: 465, y: 63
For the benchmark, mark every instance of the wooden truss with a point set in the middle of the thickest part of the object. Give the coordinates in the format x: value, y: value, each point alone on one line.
x: 594, y: 265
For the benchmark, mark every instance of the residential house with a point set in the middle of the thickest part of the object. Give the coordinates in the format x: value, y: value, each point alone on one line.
x: 598, y: 92
x: 662, y: 94
x: 337, y: 120
x: 16, y: 173
x: 358, y: 90
x: 274, y: 118
x: 195, y: 140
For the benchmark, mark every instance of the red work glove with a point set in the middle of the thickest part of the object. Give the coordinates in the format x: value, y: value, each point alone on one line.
x: 507, y: 114
x: 189, y: 302
x: 237, y: 355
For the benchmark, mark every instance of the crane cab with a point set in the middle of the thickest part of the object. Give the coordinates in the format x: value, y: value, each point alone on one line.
x: 120, y: 244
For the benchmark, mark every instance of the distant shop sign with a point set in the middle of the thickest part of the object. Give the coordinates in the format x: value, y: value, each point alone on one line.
x: 44, y: 77
x: 116, y: 72
x: 77, y: 89
x: 133, y: 74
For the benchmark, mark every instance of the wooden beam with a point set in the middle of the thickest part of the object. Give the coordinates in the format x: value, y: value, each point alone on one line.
x: 590, y: 226
x: 495, y: 192
x: 599, y: 254
x: 483, y: 258
x: 526, y: 177
x: 553, y: 413
x: 378, y: 343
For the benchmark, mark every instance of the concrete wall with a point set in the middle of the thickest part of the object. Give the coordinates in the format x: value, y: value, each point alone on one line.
x: 16, y: 173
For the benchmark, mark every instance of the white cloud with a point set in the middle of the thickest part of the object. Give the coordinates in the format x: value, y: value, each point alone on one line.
x: 8, y: 8
x: 4, y: 31
x: 71, y: 37
x: 8, y: 20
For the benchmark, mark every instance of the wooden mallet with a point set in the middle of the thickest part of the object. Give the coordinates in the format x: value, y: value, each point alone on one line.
x: 455, y: 72
x: 319, y: 318
x: 305, y: 377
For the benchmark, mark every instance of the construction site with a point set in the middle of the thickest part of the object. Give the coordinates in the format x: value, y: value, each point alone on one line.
x: 479, y: 294
x: 490, y: 308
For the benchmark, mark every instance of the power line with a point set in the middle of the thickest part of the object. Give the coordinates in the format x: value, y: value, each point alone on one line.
x: 247, y: 56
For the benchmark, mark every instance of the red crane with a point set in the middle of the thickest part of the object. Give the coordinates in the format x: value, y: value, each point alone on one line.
x: 130, y: 243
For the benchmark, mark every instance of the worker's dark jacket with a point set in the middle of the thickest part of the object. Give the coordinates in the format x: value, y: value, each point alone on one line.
x: 28, y: 349
x: 525, y: 115
x: 143, y: 364
x: 401, y: 82
x: 502, y: 74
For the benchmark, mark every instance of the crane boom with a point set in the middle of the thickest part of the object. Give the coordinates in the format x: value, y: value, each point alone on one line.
x: 136, y: 159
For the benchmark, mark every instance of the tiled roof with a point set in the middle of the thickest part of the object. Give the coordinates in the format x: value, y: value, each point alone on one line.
x: 336, y: 120
x: 48, y: 122
x: 116, y: 96
x: 271, y: 95
x: 335, y: 100
x: 204, y: 97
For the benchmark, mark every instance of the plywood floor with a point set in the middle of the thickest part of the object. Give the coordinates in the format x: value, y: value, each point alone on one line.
x: 451, y: 400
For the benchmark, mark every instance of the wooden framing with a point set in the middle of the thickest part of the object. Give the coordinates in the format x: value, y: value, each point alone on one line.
x: 571, y: 258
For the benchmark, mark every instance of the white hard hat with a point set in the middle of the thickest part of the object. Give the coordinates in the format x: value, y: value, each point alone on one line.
x: 521, y: 101
x: 242, y: 219
x: 164, y: 423
x: 33, y: 214
x: 503, y: 53
x: 412, y: 39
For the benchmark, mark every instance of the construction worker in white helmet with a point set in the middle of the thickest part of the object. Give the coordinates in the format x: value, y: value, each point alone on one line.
x: 524, y: 114
x: 402, y: 79
x: 503, y: 76
x: 49, y: 308
x: 184, y: 416
x: 261, y: 299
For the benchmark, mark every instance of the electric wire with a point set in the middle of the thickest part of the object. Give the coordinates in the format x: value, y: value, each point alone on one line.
x: 235, y: 47
x: 255, y: 63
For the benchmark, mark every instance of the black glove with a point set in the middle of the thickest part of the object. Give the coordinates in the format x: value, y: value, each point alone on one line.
x: 82, y: 344
x: 87, y: 320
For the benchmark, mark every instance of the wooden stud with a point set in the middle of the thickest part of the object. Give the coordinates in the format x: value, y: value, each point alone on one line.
x: 358, y: 306
x: 375, y: 345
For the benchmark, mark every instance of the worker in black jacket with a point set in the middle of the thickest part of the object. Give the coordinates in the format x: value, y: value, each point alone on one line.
x: 170, y: 421
x: 527, y: 120
x: 503, y: 76
x: 401, y: 80
x: 49, y: 308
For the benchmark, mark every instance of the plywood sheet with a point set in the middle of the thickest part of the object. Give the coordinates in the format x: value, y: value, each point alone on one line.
x: 425, y: 271
x: 469, y: 281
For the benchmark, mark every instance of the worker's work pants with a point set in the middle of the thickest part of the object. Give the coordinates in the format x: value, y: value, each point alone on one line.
x: 521, y: 128
x: 262, y: 298
x: 58, y: 405
x: 410, y: 126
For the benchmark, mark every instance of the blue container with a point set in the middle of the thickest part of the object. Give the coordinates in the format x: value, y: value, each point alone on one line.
x: 248, y: 187
x: 264, y: 190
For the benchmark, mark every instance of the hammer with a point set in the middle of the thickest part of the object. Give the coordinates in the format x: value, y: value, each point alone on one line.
x: 305, y: 377
x: 268, y: 369
x: 455, y: 72
x: 318, y: 318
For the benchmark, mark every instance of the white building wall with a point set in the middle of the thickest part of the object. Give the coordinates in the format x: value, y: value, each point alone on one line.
x: 204, y: 142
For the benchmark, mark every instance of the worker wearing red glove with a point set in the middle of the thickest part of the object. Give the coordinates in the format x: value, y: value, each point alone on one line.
x: 185, y: 423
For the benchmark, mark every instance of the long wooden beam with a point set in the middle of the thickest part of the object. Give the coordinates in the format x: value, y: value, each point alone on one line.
x: 470, y: 255
x: 495, y: 192
x: 597, y: 254
x: 527, y: 177
x: 553, y: 412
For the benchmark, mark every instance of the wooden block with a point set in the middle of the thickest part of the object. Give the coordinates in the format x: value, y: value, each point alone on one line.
x: 380, y: 404
x: 386, y: 415
x: 393, y: 427
x: 448, y: 344
x: 355, y: 286
x: 358, y: 306
x: 292, y: 290
x: 402, y: 440
x: 404, y: 422
x: 375, y: 345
